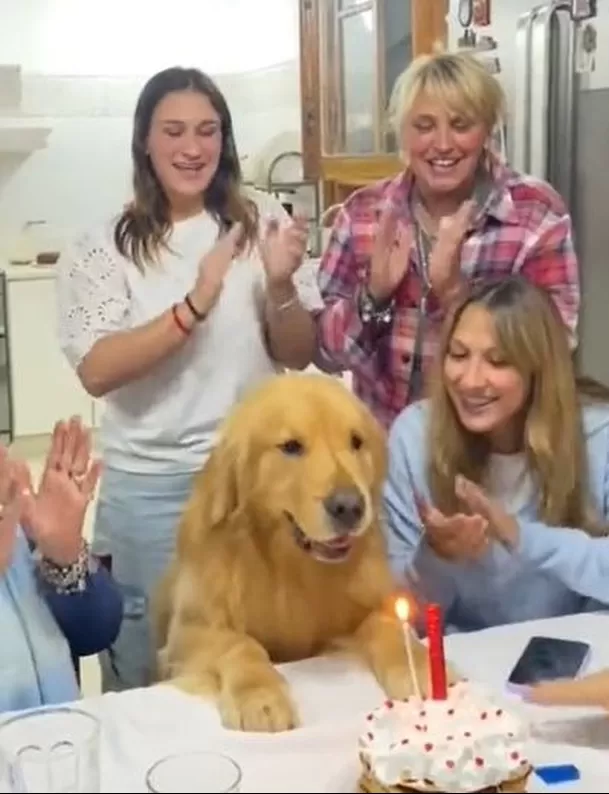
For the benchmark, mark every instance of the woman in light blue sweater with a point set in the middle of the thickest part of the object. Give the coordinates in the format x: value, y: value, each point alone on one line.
x: 56, y: 603
x: 497, y: 496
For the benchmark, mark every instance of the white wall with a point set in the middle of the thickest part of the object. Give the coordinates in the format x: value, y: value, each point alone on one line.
x: 84, y: 62
x: 504, y: 20
x: 135, y: 37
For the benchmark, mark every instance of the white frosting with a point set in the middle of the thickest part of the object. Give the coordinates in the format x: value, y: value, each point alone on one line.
x: 463, y: 744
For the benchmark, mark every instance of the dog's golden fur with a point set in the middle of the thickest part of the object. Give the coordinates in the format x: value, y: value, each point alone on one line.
x: 242, y: 595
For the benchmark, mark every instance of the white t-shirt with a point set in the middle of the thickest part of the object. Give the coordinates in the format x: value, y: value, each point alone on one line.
x: 509, y: 481
x: 166, y: 421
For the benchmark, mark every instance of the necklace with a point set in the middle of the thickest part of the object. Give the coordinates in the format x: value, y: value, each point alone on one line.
x: 424, y: 243
x: 424, y: 221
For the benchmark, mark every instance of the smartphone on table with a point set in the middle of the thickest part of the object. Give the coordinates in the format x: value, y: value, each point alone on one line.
x: 548, y: 659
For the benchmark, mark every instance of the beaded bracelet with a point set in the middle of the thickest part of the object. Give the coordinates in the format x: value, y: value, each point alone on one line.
x: 67, y: 579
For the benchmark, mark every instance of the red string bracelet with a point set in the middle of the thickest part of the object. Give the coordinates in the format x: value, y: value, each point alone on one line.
x: 178, y: 321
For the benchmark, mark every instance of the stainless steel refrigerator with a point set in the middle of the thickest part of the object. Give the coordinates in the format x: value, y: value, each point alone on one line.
x: 554, y: 65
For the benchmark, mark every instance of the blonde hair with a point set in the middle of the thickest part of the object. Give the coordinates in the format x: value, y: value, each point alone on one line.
x: 532, y: 338
x: 458, y: 81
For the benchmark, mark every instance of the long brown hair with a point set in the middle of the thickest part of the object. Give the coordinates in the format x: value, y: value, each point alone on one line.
x: 532, y: 338
x: 144, y: 225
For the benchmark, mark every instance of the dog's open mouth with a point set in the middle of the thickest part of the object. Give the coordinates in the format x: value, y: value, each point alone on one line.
x: 329, y: 551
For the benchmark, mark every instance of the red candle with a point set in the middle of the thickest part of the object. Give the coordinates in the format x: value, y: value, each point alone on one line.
x: 437, y: 661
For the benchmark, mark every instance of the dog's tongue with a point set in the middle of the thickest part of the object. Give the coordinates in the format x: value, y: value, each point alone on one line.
x: 340, y: 543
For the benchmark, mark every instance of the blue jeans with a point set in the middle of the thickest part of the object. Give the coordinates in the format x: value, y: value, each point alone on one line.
x: 135, y: 529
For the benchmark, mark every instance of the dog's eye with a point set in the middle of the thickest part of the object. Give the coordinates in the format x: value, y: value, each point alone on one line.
x: 292, y: 447
x: 356, y: 441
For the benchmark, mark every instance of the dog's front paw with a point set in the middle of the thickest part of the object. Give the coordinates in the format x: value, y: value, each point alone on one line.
x: 398, y: 683
x: 264, y: 708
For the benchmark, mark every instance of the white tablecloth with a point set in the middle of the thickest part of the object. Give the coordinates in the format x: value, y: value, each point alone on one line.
x: 142, y: 725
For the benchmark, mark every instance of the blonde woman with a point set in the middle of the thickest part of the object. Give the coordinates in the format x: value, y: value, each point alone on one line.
x: 498, y: 489
x: 170, y: 312
x: 401, y: 249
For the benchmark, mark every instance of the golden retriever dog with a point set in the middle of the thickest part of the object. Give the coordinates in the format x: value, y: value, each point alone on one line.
x: 280, y: 556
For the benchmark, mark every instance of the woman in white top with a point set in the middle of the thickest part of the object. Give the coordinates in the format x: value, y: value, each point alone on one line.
x: 184, y: 302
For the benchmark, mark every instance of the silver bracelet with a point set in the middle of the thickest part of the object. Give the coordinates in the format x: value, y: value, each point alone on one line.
x: 67, y: 579
x: 371, y: 312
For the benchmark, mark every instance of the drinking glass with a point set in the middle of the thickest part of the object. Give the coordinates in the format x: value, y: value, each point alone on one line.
x: 48, y: 751
x: 194, y: 773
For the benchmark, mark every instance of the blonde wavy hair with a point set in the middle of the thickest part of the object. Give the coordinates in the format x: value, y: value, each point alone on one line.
x: 455, y: 80
x: 531, y: 337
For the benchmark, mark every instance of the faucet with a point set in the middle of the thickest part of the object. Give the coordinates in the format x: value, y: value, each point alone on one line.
x: 292, y: 187
x: 275, y: 162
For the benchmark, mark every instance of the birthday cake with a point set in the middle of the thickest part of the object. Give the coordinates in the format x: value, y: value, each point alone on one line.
x: 464, y: 743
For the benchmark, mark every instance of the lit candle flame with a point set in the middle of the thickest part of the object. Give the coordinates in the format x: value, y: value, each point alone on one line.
x: 402, y: 609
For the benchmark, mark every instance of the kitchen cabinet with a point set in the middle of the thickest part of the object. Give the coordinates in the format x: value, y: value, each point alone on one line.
x: 351, y: 53
x: 43, y: 386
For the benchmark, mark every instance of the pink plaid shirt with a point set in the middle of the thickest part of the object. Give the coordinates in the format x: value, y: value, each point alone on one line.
x: 523, y: 227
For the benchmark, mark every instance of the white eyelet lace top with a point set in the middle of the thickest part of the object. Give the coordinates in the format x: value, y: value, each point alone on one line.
x: 166, y: 421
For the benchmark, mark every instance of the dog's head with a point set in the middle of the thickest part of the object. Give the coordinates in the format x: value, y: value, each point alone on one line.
x: 303, y: 456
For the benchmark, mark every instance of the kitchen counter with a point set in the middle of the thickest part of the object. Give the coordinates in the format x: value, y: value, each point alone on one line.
x: 27, y: 272
x: 306, y: 274
x: 42, y: 386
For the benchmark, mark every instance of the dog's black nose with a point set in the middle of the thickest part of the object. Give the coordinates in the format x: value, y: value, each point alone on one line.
x: 345, y: 507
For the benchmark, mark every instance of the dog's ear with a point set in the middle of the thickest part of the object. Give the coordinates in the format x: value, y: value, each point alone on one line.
x: 220, y: 483
x: 376, y: 438
x: 215, y: 495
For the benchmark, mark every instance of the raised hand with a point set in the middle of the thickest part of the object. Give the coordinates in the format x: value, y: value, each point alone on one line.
x: 283, y: 248
x: 10, y: 508
x: 213, y: 267
x: 53, y: 517
x: 444, y: 260
x: 390, y: 256
x: 457, y: 537
x: 501, y: 525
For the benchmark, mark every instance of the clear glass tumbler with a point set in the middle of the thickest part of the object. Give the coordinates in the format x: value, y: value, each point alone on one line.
x: 194, y: 773
x: 50, y: 750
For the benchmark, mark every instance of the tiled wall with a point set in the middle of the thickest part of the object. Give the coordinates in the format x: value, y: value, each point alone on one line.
x: 82, y: 76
